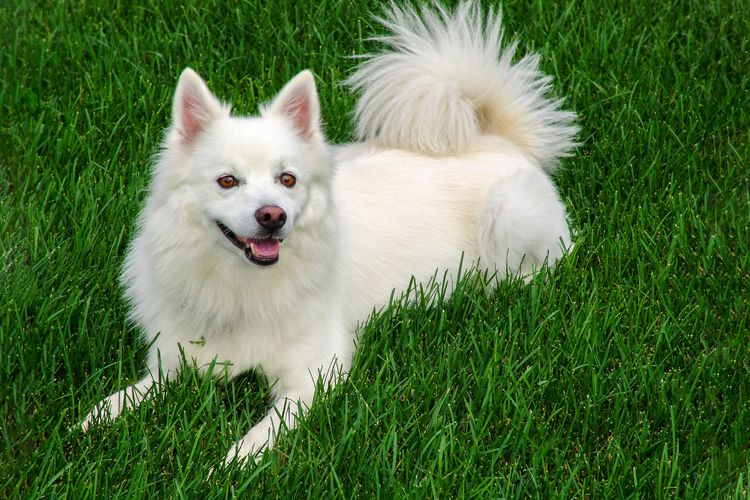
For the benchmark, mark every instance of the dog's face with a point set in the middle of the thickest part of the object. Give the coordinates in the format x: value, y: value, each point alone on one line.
x: 250, y: 178
x: 253, y: 182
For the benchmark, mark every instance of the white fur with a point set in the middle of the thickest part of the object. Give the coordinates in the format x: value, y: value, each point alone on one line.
x: 450, y: 173
x: 448, y: 79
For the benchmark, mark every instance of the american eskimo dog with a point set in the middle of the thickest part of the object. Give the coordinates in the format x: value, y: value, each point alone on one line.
x: 262, y: 247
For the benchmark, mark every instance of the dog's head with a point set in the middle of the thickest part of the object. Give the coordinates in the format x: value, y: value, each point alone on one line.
x: 248, y: 180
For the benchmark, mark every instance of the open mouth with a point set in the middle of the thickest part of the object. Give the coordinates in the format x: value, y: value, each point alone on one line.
x: 261, y: 251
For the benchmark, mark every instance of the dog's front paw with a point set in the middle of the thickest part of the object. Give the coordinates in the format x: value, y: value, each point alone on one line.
x: 104, y: 411
x: 250, y: 448
x: 110, y: 408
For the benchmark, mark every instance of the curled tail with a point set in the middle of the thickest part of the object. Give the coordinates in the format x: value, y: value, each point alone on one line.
x: 446, y: 79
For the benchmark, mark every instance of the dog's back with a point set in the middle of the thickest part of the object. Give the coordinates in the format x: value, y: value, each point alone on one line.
x: 452, y: 171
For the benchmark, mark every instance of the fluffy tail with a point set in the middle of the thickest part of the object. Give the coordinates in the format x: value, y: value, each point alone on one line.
x: 446, y: 79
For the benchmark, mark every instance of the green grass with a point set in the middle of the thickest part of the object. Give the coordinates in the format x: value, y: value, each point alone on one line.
x: 624, y: 373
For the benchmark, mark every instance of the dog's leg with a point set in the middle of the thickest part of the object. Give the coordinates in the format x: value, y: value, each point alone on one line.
x: 162, y: 369
x: 283, y: 414
x: 111, y: 407
x: 522, y: 225
x: 294, y: 394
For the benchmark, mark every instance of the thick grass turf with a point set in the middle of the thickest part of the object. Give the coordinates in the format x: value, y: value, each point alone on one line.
x: 624, y: 372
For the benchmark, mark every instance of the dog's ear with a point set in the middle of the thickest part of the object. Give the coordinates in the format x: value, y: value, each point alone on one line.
x: 194, y: 107
x: 298, y: 102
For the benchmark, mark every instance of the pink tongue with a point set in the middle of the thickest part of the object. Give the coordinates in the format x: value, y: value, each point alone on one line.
x: 265, y: 248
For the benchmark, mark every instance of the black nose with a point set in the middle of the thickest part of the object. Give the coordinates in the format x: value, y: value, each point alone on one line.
x: 270, y: 217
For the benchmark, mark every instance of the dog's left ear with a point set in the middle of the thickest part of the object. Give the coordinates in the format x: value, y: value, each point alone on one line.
x: 194, y: 107
x: 298, y: 102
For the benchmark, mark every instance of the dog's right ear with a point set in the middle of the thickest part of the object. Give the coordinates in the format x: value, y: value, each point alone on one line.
x: 298, y: 103
x: 194, y: 107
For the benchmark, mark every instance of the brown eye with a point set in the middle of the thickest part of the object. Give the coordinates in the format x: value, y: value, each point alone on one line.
x: 227, y: 181
x: 287, y: 180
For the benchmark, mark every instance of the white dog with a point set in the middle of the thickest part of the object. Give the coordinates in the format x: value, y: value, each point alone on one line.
x: 262, y: 248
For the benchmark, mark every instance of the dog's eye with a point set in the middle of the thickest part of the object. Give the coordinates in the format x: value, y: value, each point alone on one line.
x: 287, y: 180
x: 227, y: 181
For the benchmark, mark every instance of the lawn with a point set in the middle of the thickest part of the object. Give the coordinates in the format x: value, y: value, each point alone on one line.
x: 624, y: 372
